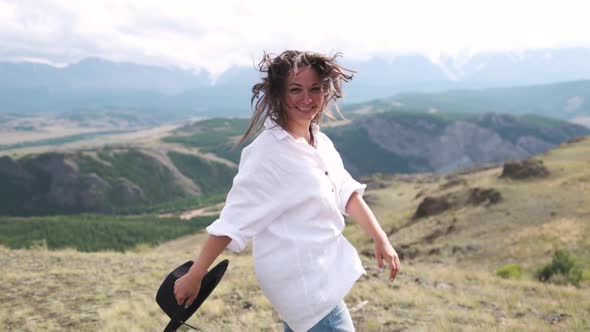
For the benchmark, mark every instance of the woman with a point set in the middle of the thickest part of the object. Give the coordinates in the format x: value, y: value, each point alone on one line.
x: 289, y: 197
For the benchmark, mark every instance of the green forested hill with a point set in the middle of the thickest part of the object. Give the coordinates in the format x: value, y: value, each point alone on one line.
x: 122, y: 180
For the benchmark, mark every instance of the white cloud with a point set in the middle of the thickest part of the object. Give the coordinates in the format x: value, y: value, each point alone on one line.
x: 220, y: 33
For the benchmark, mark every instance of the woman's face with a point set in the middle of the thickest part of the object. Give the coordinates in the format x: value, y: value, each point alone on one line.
x: 304, y: 96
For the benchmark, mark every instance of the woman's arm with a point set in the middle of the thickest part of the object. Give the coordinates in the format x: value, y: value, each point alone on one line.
x: 187, y: 287
x: 357, y: 209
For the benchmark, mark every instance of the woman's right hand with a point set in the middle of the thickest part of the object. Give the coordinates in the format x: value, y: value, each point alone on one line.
x: 186, y: 288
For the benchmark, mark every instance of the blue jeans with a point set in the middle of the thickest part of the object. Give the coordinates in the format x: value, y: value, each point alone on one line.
x: 338, y: 320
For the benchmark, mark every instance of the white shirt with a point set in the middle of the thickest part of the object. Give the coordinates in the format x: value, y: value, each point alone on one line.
x: 289, y: 198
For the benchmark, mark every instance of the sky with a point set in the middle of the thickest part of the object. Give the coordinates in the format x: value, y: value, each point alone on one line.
x: 217, y: 34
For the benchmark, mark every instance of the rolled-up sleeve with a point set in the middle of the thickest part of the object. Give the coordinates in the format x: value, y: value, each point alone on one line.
x: 349, y: 186
x: 252, y: 202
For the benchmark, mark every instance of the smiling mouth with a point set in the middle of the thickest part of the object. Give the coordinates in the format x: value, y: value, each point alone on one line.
x: 306, y: 109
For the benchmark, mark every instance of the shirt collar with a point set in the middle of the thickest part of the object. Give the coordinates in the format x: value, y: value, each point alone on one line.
x: 275, y: 129
x: 281, y: 133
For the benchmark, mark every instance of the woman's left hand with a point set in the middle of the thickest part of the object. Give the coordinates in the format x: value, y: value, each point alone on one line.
x: 384, y: 253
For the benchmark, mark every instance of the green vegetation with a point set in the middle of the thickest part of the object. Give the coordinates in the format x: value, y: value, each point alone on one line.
x: 510, y: 271
x: 216, y: 136
x: 211, y: 177
x: 95, y: 232
x: 156, y: 181
x: 562, y: 270
x: 161, y: 192
x: 114, y: 181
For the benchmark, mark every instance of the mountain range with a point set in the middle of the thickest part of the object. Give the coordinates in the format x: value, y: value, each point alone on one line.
x: 99, y: 84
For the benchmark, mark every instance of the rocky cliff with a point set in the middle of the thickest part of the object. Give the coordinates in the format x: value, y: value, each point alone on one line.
x: 411, y: 143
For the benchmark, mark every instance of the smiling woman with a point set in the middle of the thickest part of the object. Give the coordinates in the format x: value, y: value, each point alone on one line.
x: 296, y: 81
x: 289, y: 198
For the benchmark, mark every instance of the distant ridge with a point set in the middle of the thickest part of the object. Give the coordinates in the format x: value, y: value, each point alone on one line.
x: 565, y: 100
x: 98, y: 83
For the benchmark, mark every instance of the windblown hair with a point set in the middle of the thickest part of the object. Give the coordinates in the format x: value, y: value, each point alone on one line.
x: 268, y: 96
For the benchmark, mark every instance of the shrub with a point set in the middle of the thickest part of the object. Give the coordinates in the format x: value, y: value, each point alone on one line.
x: 510, y: 271
x: 562, y: 270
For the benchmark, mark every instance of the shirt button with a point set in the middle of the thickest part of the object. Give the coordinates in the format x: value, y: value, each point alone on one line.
x: 326, y: 172
x: 332, y: 190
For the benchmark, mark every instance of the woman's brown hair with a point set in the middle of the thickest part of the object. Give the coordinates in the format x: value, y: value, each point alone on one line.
x: 268, y: 96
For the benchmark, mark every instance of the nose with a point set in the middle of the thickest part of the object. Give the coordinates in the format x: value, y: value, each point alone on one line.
x: 307, y: 97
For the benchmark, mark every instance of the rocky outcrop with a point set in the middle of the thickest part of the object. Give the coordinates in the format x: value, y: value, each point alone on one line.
x: 433, y: 205
x: 464, y: 144
x: 524, y: 169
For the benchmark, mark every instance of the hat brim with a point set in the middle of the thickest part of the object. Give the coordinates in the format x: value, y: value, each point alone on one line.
x: 208, y: 284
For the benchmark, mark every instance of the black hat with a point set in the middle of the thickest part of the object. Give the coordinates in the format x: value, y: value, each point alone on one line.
x: 167, y: 301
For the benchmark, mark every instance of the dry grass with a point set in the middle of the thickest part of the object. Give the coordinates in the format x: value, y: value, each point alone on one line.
x: 67, y: 290
x: 448, y: 285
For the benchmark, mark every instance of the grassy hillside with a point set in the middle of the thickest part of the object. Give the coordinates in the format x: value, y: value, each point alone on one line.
x: 448, y: 280
x: 156, y: 182
x: 211, y: 177
x: 534, y: 218
x: 218, y: 136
